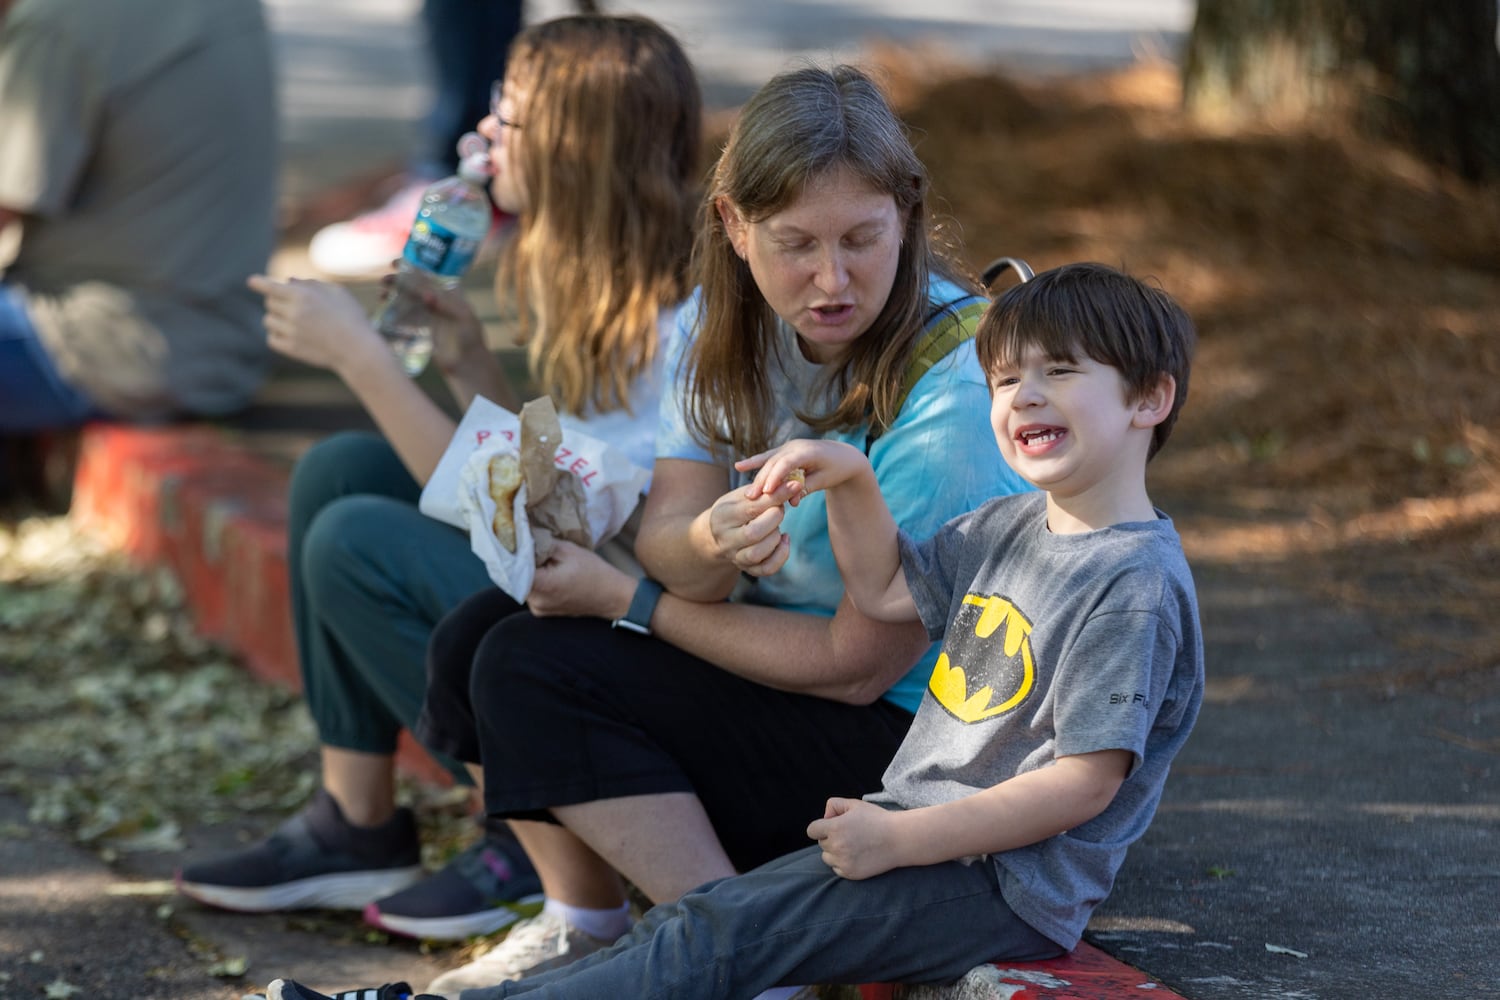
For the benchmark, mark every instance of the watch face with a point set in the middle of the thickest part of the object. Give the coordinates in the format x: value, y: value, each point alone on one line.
x: 642, y: 607
x: 630, y: 626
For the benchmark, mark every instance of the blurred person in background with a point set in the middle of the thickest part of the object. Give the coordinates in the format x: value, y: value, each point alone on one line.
x: 139, y: 165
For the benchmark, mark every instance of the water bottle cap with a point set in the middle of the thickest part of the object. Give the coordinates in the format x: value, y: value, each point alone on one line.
x: 474, y: 158
x: 471, y: 144
x: 476, y: 169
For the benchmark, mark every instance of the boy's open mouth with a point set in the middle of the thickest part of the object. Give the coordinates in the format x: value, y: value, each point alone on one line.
x: 1037, y: 437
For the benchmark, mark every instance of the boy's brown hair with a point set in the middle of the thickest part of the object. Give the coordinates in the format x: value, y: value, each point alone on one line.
x: 1103, y: 314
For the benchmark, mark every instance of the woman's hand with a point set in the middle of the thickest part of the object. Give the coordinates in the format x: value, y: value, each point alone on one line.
x: 857, y: 838
x: 745, y: 523
x: 577, y: 582
x: 747, y: 532
x: 317, y: 323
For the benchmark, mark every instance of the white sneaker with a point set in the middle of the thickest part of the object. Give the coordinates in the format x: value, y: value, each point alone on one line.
x: 545, y: 941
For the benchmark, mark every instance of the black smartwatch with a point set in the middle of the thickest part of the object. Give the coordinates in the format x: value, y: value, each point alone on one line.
x: 642, y: 605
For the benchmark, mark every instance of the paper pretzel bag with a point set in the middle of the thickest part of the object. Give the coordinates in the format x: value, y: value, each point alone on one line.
x: 556, y: 483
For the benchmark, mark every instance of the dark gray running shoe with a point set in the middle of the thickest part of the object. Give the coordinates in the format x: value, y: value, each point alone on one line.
x: 315, y: 859
x: 487, y: 887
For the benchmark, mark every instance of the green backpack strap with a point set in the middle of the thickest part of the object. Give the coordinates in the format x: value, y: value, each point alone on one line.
x: 951, y: 324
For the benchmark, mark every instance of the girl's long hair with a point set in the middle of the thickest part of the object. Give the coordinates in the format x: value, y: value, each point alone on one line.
x: 611, y: 121
x: 800, y: 125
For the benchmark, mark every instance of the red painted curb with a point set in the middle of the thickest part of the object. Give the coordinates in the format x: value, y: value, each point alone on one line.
x: 1085, y: 973
x: 188, y: 498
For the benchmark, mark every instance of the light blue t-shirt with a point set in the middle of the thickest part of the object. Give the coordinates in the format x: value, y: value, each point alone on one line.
x: 938, y: 460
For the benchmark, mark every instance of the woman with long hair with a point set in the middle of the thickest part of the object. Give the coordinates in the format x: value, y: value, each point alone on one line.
x: 677, y: 728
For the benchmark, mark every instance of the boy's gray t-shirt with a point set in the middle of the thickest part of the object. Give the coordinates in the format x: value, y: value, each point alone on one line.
x: 1054, y: 645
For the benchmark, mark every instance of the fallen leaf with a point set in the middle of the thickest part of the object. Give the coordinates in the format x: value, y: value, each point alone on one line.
x: 230, y: 968
x: 151, y: 887
x: 125, y: 729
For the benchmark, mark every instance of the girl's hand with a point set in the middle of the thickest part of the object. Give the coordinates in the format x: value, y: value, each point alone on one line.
x: 317, y: 323
x: 577, y: 582
x: 797, y: 468
x: 857, y: 838
x: 457, y: 335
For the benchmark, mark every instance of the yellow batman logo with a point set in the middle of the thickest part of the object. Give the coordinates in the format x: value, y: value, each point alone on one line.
x: 1009, y: 669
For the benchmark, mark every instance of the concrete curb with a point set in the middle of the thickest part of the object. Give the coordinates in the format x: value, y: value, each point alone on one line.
x: 215, y: 516
x: 190, y: 499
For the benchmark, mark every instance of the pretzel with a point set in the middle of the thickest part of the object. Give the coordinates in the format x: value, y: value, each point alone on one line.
x: 505, y: 481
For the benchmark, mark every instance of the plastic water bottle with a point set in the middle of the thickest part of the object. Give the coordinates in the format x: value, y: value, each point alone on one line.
x: 450, y: 227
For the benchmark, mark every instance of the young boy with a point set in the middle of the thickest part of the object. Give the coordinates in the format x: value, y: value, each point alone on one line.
x: 1071, y: 674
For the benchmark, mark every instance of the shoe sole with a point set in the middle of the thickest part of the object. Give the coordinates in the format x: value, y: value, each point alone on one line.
x: 475, y: 976
x: 458, y: 928
x: 345, y: 891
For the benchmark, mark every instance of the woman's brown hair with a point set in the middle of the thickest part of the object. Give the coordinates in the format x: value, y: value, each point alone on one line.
x: 800, y: 125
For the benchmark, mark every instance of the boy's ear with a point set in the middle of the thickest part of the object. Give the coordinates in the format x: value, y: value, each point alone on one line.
x: 1154, y: 407
x: 734, y: 224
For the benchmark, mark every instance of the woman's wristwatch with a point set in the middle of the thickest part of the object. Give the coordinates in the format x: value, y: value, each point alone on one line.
x: 642, y: 605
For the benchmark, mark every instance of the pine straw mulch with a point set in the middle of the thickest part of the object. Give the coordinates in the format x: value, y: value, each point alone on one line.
x: 1343, y: 429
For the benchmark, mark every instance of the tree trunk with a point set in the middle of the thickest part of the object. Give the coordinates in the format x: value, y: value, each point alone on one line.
x: 1426, y: 74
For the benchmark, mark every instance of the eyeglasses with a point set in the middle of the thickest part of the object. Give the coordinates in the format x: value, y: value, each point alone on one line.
x: 496, y: 95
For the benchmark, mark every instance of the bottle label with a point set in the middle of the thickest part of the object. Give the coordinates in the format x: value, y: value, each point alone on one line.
x: 435, y: 248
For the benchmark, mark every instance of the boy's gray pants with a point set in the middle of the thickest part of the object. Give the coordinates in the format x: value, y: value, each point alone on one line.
x: 794, y: 922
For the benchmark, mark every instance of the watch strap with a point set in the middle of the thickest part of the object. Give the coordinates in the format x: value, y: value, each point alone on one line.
x: 638, y: 618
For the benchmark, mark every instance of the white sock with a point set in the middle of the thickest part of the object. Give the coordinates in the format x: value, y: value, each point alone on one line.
x: 606, y: 925
x: 777, y: 993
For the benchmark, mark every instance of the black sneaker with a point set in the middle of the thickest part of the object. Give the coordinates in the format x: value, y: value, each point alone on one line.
x: 487, y: 887
x: 315, y: 859
x: 286, y: 989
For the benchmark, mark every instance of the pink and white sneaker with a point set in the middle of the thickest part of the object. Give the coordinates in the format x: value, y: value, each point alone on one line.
x: 366, y: 245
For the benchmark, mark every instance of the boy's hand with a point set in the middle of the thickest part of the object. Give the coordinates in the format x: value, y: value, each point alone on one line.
x: 800, y: 467
x: 746, y: 523
x: 857, y: 839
